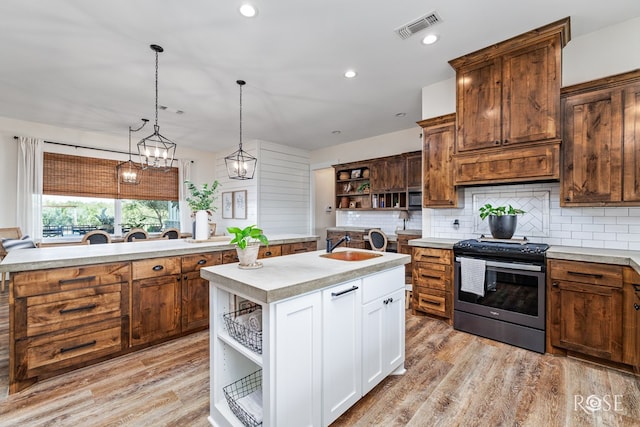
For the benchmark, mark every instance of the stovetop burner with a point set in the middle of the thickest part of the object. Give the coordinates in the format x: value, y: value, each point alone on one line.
x: 506, y: 249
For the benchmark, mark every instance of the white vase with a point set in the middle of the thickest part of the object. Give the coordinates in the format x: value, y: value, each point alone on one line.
x: 202, y: 225
x: 249, y: 255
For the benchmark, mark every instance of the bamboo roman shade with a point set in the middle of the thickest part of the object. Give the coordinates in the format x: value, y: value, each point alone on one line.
x: 92, y: 177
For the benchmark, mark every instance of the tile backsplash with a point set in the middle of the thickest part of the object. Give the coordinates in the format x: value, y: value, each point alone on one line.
x: 387, y: 221
x: 544, y: 221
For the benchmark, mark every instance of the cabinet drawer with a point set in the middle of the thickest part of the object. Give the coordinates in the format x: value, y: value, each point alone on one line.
x: 432, y: 301
x: 230, y: 256
x: 382, y: 284
x: 431, y: 275
x: 196, y: 262
x: 40, y: 282
x: 296, y: 248
x: 50, y: 352
x: 155, y: 267
x: 53, y: 312
x: 586, y: 272
x: 439, y: 256
x: 269, y: 251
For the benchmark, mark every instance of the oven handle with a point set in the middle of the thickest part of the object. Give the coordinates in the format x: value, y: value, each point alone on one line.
x: 511, y: 265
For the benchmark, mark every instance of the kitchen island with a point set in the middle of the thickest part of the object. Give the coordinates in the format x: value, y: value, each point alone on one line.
x: 71, y: 306
x: 330, y: 331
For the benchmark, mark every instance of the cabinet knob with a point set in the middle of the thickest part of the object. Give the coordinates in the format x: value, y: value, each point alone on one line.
x: 555, y: 284
x: 636, y: 306
x: 202, y: 261
x: 567, y: 199
x: 497, y: 142
x: 506, y: 141
x: 157, y: 267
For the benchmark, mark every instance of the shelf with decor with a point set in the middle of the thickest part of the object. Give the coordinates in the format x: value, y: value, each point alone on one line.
x: 352, y: 187
x: 391, y: 200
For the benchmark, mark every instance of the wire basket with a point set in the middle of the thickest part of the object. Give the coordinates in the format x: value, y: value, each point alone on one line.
x: 240, y: 389
x: 242, y: 333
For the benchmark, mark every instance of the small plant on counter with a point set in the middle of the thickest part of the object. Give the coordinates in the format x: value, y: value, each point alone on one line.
x: 250, y: 234
x: 364, y: 187
x: 488, y: 209
x: 202, y: 199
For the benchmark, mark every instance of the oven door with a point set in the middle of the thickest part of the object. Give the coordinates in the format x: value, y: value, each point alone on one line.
x: 513, y: 292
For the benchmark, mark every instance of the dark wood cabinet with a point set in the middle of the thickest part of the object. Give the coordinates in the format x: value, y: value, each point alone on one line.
x: 404, y: 248
x: 388, y: 174
x: 414, y: 170
x: 438, y: 136
x: 585, y: 308
x: 631, y: 319
x: 600, y: 152
x: 433, y: 282
x: 357, y: 238
x: 353, y: 186
x: 195, y: 290
x: 507, y: 98
x: 155, y: 300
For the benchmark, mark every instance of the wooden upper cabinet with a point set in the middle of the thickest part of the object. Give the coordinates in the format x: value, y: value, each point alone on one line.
x: 438, y: 137
x: 601, y: 149
x: 389, y: 174
x: 509, y: 93
x: 414, y: 170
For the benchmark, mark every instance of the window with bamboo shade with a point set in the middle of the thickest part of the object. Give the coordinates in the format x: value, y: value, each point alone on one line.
x: 69, y: 175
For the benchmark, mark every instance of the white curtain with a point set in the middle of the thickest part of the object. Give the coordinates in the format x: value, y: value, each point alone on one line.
x: 29, y: 188
x: 184, y: 174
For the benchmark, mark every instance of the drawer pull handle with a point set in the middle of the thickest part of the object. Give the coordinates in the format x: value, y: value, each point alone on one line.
x: 299, y: 250
x: 429, y: 256
x: 426, y: 301
x: 387, y: 301
x: 202, y: 262
x: 83, y: 308
x: 78, y: 347
x: 636, y: 287
x: 555, y: 284
x: 158, y: 267
x: 267, y: 253
x: 346, y: 291
x: 428, y: 276
x: 579, y: 273
x: 77, y: 279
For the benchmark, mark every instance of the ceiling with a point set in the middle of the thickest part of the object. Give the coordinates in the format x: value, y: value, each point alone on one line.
x: 86, y: 64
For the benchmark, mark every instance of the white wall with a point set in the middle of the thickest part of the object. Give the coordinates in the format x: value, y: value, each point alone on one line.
x: 203, y: 167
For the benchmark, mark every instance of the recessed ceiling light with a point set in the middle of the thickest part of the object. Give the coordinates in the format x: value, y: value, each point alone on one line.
x: 248, y: 10
x: 430, y: 39
x: 401, y: 114
x: 350, y: 74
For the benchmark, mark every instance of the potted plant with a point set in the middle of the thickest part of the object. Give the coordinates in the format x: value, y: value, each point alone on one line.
x: 502, y: 219
x: 201, y: 204
x: 247, y: 244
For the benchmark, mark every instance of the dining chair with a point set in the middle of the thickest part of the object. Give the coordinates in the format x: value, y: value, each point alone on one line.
x: 170, y: 233
x: 136, y: 234
x: 96, y: 237
x: 378, y: 240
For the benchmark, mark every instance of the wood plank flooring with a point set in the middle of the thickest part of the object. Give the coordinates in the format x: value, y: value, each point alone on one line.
x: 452, y: 379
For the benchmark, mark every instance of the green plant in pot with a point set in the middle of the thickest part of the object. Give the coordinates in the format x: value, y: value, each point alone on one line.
x: 201, y: 204
x: 247, y: 241
x: 503, y: 220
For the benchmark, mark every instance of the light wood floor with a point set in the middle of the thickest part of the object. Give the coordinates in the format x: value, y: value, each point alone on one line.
x: 452, y: 379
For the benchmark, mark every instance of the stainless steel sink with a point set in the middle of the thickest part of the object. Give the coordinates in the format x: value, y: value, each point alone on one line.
x: 351, y: 255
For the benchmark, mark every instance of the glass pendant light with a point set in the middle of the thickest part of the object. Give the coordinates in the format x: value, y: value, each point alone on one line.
x: 129, y: 172
x: 155, y: 150
x: 240, y: 164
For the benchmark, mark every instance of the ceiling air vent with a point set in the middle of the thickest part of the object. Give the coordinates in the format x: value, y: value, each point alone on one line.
x: 417, y: 25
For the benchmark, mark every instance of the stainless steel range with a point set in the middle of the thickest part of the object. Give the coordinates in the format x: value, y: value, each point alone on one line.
x: 499, y: 288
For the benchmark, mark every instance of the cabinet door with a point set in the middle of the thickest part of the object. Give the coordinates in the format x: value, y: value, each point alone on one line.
x: 155, y: 312
x: 414, y: 170
x: 587, y: 319
x: 389, y: 174
x: 297, y: 361
x: 531, y: 93
x: 382, y: 338
x: 479, y: 100
x: 195, y: 302
x: 631, y: 184
x: 631, y: 316
x: 438, y: 144
x: 341, y: 349
x: 592, y: 148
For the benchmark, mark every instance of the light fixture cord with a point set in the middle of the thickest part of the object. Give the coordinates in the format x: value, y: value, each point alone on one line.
x: 240, y: 118
x: 156, y: 125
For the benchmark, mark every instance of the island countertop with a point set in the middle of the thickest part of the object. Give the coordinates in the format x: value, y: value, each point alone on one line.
x: 292, y: 275
x: 65, y: 256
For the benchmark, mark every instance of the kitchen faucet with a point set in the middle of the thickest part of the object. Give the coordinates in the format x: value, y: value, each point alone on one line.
x: 330, y: 248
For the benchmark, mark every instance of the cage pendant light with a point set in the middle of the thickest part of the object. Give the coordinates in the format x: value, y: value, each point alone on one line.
x: 240, y: 164
x: 155, y: 150
x: 130, y: 172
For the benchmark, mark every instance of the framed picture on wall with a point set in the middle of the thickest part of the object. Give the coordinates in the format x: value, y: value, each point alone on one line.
x: 240, y: 204
x: 227, y: 205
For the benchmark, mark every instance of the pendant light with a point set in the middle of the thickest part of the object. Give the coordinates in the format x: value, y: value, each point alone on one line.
x: 129, y: 172
x: 156, y: 151
x: 240, y: 164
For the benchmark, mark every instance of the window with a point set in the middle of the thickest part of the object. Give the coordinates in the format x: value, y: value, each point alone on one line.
x: 82, y: 194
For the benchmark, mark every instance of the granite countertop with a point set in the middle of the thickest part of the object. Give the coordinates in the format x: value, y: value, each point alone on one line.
x: 67, y: 256
x: 604, y: 256
x: 434, y: 242
x: 292, y: 275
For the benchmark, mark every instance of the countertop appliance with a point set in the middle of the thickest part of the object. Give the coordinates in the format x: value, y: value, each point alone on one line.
x: 504, y: 294
x: 415, y: 200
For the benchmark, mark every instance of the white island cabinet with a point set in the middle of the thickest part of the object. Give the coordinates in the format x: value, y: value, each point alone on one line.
x: 331, y: 330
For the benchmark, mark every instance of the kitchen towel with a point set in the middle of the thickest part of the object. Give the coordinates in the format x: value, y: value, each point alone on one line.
x: 252, y: 405
x: 472, y: 275
x: 255, y: 320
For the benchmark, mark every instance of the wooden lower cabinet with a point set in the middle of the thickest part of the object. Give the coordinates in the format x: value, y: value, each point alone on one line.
x: 631, y: 319
x: 357, y: 238
x: 155, y: 300
x: 433, y: 282
x: 195, y: 290
x: 404, y: 248
x: 585, y: 308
